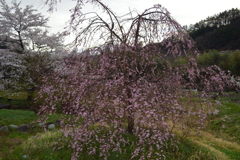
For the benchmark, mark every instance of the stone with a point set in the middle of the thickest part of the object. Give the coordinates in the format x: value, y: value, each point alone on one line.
x: 40, y: 124
x: 51, y: 126
x: 4, y: 129
x: 23, y: 128
x: 12, y: 126
x: 5, y: 106
x: 25, y: 157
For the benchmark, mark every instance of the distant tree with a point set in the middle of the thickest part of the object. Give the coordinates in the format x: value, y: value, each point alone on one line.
x: 124, y: 89
x: 16, y: 22
x: 29, y: 48
x: 231, y: 62
x: 25, y: 72
x: 226, y: 61
x: 216, y: 21
x: 9, y: 66
x: 209, y: 58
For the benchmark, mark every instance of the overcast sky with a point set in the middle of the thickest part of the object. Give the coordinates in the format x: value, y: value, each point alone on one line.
x: 184, y: 11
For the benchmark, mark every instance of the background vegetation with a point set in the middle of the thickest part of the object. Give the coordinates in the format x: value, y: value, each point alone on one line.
x: 228, y: 61
x: 220, y: 31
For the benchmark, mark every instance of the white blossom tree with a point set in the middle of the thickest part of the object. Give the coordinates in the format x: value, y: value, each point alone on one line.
x: 30, y: 49
x: 16, y: 22
x: 41, y: 41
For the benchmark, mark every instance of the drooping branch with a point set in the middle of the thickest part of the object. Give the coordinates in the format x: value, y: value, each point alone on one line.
x: 122, y: 87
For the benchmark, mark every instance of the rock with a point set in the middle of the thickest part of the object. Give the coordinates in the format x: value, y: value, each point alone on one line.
x: 51, y: 126
x: 24, y: 128
x: 12, y: 126
x: 25, y: 157
x: 5, y: 106
x: 4, y: 129
x: 40, y: 124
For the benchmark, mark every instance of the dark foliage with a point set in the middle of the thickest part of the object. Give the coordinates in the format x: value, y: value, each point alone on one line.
x: 221, y: 31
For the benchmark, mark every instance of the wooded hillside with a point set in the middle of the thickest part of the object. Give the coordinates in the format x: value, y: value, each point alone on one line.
x: 220, y: 32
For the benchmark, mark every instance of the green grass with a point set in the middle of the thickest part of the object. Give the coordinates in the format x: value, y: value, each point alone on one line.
x: 18, y: 117
x: 40, y: 147
x: 9, y: 141
x: 226, y: 126
x: 215, y: 143
x: 227, y: 122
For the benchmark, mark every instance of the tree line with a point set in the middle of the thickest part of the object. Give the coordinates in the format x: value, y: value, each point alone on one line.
x: 220, y: 32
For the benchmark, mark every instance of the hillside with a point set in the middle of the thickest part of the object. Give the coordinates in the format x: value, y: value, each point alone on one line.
x: 220, y: 32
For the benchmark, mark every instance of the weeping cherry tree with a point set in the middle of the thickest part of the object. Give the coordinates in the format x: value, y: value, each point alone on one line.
x: 125, y: 85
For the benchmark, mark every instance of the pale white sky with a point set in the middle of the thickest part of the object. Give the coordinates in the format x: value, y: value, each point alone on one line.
x: 184, y: 11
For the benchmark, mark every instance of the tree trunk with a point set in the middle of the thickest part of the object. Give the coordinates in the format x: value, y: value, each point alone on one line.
x: 130, y: 113
x: 30, y: 94
x: 130, y: 123
x: 21, y: 42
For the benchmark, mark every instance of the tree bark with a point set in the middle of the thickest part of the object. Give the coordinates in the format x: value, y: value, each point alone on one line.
x: 130, y: 112
x: 130, y: 123
x: 21, y: 42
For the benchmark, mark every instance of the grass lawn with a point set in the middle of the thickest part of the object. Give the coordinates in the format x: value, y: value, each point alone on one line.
x: 219, y: 141
x: 9, y: 141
